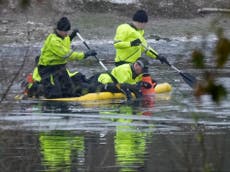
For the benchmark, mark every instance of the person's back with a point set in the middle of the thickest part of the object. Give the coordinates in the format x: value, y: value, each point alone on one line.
x: 123, y: 74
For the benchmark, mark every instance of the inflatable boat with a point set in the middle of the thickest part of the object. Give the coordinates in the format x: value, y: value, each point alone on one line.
x: 160, y: 88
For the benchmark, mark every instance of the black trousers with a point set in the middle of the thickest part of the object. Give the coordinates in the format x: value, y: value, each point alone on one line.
x: 63, y: 85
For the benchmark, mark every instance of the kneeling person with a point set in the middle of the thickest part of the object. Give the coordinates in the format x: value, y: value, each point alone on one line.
x: 124, y: 78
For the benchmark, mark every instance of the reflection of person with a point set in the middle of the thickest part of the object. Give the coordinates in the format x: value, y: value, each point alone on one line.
x: 129, y: 147
x: 129, y: 40
x: 129, y: 142
x: 148, y: 102
x: 123, y: 78
x: 58, y: 148
x: 55, y: 53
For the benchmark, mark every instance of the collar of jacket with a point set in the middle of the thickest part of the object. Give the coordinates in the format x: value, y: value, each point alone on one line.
x: 132, y: 25
x: 56, y: 33
x: 134, y: 75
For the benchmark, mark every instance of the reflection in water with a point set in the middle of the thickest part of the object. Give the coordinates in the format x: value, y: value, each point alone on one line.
x: 129, y: 142
x: 62, y: 151
x: 125, y: 150
x: 130, y: 147
x: 148, y: 102
x: 56, y: 107
x: 114, y: 137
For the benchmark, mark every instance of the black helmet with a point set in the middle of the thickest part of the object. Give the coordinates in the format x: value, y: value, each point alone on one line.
x: 140, y: 16
x: 63, y: 24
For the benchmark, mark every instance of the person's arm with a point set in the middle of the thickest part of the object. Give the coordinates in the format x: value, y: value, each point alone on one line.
x: 63, y: 50
x: 151, y: 53
x: 76, y: 56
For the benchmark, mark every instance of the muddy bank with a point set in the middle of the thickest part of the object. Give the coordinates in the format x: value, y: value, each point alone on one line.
x: 165, y: 8
x: 98, y: 19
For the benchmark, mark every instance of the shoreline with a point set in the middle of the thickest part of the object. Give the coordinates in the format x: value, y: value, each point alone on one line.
x: 102, y: 26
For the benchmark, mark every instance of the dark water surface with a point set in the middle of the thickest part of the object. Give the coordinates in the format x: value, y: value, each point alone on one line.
x: 165, y: 132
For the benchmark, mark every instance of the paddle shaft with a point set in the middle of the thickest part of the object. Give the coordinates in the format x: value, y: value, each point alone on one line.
x: 188, y: 78
x: 169, y: 64
x: 99, y: 61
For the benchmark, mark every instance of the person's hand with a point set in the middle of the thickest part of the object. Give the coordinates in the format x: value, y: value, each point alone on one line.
x: 126, y: 91
x: 74, y: 33
x: 145, y: 84
x: 112, y: 87
x: 90, y: 53
x: 135, y: 42
x: 162, y: 59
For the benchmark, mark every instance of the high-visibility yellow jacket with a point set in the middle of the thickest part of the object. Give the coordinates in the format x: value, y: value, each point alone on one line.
x: 126, y: 33
x: 122, y: 74
x: 57, y: 51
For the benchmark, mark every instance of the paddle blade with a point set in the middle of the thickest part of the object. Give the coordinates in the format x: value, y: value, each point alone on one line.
x: 189, y: 79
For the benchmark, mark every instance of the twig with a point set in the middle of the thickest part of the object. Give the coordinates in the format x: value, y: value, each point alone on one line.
x: 15, y: 77
x: 19, y: 70
x: 213, y: 10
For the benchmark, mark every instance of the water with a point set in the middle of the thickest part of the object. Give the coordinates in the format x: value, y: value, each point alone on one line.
x: 166, y: 132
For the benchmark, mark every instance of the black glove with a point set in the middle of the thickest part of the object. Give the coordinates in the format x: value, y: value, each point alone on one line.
x: 145, y: 84
x: 90, y: 53
x: 136, y: 42
x: 162, y: 59
x: 111, y: 87
x: 125, y: 90
x: 136, y: 89
x: 73, y: 34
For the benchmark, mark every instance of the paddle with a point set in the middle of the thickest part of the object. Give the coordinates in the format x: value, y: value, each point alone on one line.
x: 99, y: 61
x: 188, y: 78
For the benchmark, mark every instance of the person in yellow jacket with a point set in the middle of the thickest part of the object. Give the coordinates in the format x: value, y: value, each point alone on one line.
x: 130, y: 43
x: 55, y: 53
x: 125, y: 78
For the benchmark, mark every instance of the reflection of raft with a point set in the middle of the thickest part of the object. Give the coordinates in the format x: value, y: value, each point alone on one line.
x: 160, y: 88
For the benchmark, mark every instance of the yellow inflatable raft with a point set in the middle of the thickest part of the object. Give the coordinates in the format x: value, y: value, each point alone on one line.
x: 160, y: 88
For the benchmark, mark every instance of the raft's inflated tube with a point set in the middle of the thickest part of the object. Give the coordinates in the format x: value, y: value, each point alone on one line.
x: 160, y: 88
x: 163, y: 87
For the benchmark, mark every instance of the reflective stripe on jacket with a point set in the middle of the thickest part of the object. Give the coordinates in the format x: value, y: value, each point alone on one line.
x: 56, y: 51
x: 36, y: 76
x: 122, y: 73
x: 125, y: 33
